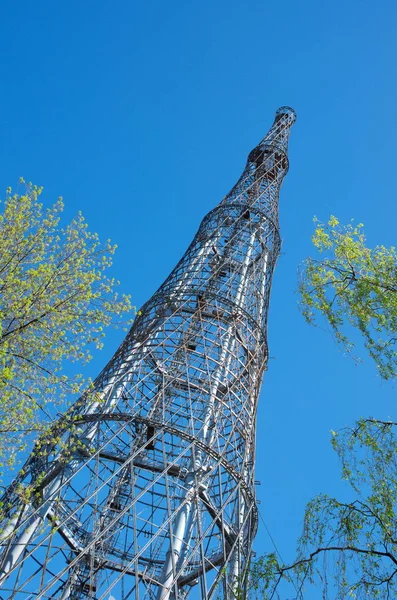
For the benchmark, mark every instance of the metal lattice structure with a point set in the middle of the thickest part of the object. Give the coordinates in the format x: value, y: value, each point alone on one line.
x: 145, y: 488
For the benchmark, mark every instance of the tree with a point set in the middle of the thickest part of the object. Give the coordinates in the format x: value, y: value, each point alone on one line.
x: 349, y: 548
x: 353, y: 285
x: 56, y: 301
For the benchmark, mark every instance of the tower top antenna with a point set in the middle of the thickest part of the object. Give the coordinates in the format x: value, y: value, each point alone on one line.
x: 288, y: 112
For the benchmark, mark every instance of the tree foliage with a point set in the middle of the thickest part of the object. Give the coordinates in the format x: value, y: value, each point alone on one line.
x: 351, y: 284
x: 56, y: 301
x: 348, y: 549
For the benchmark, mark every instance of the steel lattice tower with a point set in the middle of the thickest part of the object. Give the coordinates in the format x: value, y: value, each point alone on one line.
x: 145, y: 488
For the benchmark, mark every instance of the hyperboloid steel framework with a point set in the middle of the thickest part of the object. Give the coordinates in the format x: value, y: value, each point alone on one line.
x: 145, y: 488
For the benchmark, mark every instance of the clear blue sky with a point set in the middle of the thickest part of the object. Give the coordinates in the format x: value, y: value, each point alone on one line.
x: 141, y: 114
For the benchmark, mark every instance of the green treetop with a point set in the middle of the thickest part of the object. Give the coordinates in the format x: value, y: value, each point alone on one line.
x: 56, y: 301
x: 351, y: 284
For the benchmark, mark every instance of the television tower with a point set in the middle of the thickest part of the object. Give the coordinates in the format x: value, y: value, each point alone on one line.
x: 144, y: 489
